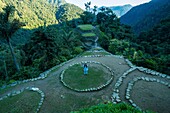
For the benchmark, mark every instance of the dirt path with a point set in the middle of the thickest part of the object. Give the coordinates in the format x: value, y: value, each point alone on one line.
x: 59, y: 99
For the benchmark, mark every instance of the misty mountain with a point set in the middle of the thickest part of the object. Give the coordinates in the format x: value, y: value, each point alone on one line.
x: 121, y: 10
x: 145, y: 16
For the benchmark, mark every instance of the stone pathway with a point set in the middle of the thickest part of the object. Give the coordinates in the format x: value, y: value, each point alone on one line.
x: 130, y: 84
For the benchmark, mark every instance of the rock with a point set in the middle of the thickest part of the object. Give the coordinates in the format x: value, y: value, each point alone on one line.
x: 40, y: 104
x: 158, y: 80
x: 118, y: 100
x: 130, y: 101
x: 163, y: 75
x: 115, y: 95
x: 114, y: 102
x: 127, y: 97
x: 128, y: 90
x: 134, y: 104
x: 168, y: 77
x: 17, y: 92
x: 169, y: 85
x: 35, y: 89
x: 146, y: 78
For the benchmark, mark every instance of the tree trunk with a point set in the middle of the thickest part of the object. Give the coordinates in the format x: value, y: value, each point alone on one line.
x: 6, y: 72
x: 13, y: 56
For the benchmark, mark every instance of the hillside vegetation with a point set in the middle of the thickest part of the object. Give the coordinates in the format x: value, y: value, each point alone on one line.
x: 146, y: 16
x: 50, y: 45
x: 33, y: 12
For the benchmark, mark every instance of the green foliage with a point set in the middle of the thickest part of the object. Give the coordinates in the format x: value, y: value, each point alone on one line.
x: 87, y: 18
x: 26, y: 72
x: 68, y: 12
x: 33, y: 12
x: 7, y: 68
x: 150, y: 49
x: 49, y: 47
x: 8, y: 26
x: 110, y: 108
x: 87, y: 6
x: 78, y: 50
x: 11, y: 81
x: 155, y: 43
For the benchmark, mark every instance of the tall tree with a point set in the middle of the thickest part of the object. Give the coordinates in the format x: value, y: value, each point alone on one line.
x: 8, y: 26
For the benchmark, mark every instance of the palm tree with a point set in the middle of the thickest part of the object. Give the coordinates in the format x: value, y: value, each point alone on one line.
x: 87, y: 6
x: 8, y: 27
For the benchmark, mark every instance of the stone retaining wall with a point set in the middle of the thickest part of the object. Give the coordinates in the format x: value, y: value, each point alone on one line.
x: 89, y: 89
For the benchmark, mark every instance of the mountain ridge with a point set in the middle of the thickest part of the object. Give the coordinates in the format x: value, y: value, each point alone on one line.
x: 145, y: 16
x: 119, y: 10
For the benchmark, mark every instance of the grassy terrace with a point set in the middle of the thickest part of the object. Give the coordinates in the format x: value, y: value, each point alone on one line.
x: 88, y: 35
x: 94, y: 53
x: 86, y: 27
x: 74, y: 77
x: 26, y: 102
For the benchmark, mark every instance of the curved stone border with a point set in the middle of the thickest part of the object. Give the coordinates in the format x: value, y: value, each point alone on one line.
x: 131, y: 84
x: 115, y: 96
x: 129, y: 63
x: 147, y: 71
x: 110, y: 54
x: 152, y: 72
x: 89, y: 89
x: 30, y: 89
x: 90, y: 56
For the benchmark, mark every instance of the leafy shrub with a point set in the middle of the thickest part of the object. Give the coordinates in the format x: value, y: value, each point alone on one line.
x: 26, y: 72
x: 110, y: 108
x: 78, y: 50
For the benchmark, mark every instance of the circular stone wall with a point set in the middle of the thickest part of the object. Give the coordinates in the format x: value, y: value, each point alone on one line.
x: 99, y: 76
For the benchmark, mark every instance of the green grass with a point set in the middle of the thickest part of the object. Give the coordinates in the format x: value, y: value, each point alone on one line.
x: 86, y: 27
x: 68, y: 103
x: 95, y: 53
x: 74, y: 77
x: 98, y: 49
x: 88, y: 35
x: 26, y: 102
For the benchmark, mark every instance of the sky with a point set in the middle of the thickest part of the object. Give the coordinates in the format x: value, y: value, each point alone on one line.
x: 100, y: 3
